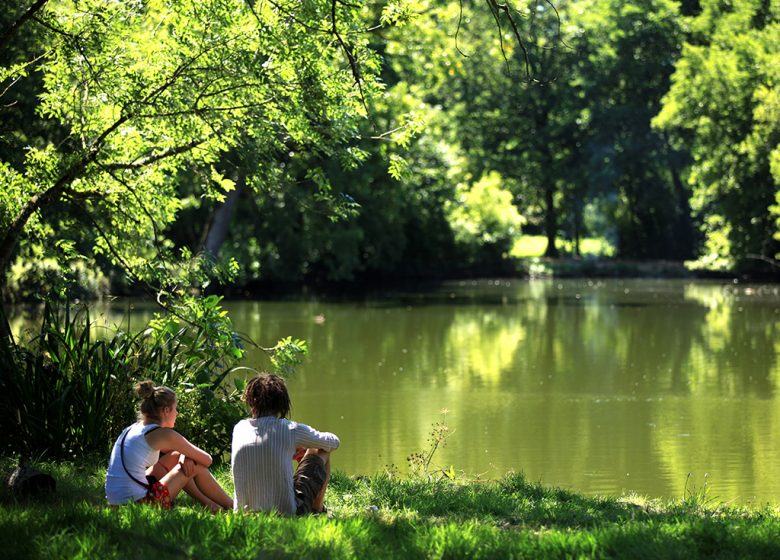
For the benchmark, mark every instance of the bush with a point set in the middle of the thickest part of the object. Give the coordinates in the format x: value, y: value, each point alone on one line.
x: 68, y: 392
x: 65, y: 392
x: 485, y: 221
x: 33, y: 274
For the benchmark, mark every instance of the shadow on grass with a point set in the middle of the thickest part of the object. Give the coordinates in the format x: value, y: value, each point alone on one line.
x: 388, y: 517
x: 512, y: 501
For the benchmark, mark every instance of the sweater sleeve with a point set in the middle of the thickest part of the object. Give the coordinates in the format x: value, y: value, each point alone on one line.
x: 306, y: 436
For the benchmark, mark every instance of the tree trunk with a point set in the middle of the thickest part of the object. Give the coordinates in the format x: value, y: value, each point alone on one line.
x: 683, y: 225
x: 577, y: 231
x: 574, y: 209
x: 6, y: 336
x: 220, y: 223
x: 550, y: 219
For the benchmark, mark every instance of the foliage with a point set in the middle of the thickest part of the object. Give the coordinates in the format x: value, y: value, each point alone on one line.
x: 300, y: 239
x: 723, y: 106
x: 345, y: 130
x: 287, y: 355
x: 629, y: 54
x: 566, y: 120
x: 389, y: 517
x: 34, y: 273
x: 69, y: 390
x: 484, y: 220
x: 145, y: 89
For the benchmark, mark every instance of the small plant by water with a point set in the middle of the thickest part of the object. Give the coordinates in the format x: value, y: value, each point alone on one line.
x: 420, y: 461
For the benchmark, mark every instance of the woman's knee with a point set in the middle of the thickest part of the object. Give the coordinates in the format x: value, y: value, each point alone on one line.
x: 324, y: 455
x: 168, y: 461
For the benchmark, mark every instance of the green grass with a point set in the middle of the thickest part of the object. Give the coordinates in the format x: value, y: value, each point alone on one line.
x: 527, y: 246
x: 387, y: 517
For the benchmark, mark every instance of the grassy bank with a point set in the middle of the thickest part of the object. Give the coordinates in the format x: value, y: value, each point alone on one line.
x: 382, y: 516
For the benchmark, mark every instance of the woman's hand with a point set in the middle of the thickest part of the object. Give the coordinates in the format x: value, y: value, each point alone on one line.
x: 299, y: 453
x: 187, y: 466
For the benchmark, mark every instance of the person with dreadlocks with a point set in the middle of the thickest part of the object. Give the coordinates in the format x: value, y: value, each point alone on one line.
x: 264, y: 447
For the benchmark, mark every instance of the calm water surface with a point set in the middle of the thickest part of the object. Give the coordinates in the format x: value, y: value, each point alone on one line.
x: 605, y: 387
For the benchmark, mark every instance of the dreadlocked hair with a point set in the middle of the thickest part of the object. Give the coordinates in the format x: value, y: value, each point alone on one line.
x: 266, y: 395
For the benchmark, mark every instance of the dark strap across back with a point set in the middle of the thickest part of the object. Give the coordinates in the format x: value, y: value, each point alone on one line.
x: 122, y: 456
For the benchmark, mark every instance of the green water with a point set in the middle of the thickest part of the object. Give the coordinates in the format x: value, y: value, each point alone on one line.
x: 604, y: 387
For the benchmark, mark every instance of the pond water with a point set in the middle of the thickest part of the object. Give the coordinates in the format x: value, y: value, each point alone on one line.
x: 604, y: 387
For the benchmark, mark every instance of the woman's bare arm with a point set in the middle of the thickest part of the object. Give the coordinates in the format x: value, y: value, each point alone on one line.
x: 170, y: 440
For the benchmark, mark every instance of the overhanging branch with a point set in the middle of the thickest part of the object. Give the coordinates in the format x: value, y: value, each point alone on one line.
x: 8, y: 34
x: 148, y: 160
x: 495, y: 9
x: 353, y: 64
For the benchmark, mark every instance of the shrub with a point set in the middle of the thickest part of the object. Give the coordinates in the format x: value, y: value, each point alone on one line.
x: 68, y: 392
x: 485, y: 221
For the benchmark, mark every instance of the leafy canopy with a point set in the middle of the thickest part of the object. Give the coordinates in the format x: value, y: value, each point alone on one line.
x: 724, y: 105
x: 147, y: 88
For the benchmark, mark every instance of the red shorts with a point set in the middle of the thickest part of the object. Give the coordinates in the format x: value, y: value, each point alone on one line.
x: 157, y: 494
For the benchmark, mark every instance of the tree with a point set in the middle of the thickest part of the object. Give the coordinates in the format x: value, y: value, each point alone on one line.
x: 145, y: 89
x: 723, y: 106
x: 626, y: 54
x: 518, y: 118
x: 566, y: 118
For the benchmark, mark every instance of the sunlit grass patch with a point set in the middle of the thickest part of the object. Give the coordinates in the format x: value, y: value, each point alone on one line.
x: 528, y: 246
x: 534, y: 246
x: 385, y: 516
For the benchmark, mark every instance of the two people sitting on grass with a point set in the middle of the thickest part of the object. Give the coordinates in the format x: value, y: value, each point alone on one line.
x: 151, y: 462
x: 137, y: 472
x: 264, y: 447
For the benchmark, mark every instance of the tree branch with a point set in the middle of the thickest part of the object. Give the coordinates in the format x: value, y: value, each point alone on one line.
x: 303, y: 24
x: 8, y: 34
x: 350, y: 56
x: 204, y: 111
x: 495, y: 8
x: 125, y: 265
x: 148, y: 160
x: 773, y: 262
x: 51, y: 27
x: 146, y: 211
x: 19, y: 77
x: 457, y: 31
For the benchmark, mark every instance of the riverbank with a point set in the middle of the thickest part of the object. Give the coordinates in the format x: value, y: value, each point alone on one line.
x: 367, y: 284
x: 389, y: 517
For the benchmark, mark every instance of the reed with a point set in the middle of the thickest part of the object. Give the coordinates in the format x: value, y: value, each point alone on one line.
x: 68, y: 391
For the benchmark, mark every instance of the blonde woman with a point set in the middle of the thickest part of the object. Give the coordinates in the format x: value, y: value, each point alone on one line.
x: 138, y: 473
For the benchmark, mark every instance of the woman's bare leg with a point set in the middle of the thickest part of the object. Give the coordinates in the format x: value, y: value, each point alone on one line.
x: 168, y: 472
x: 175, y: 481
x: 208, y: 486
x: 169, y: 465
x: 164, y: 465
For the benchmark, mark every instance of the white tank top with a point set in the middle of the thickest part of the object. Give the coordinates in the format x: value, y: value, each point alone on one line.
x: 139, y: 456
